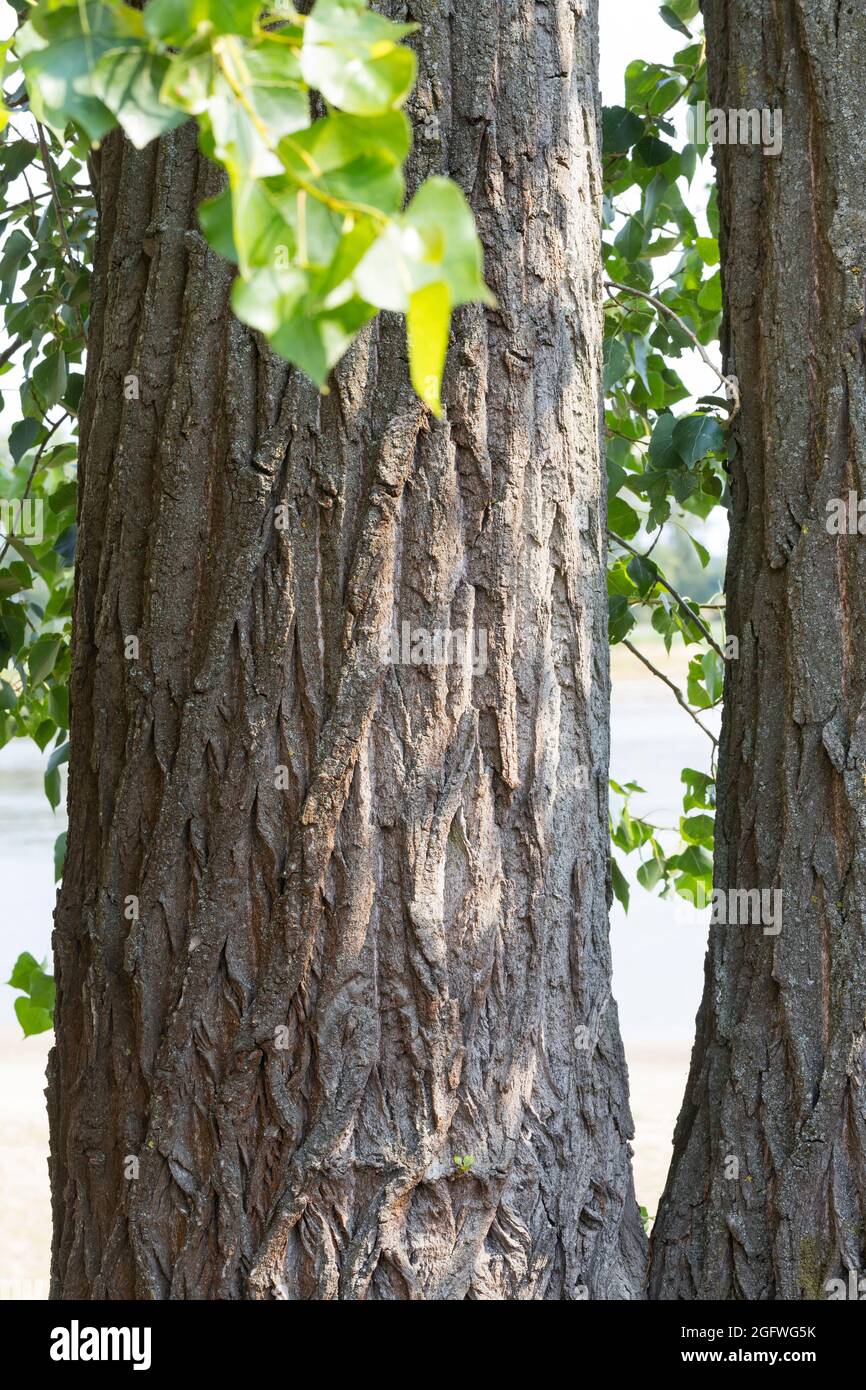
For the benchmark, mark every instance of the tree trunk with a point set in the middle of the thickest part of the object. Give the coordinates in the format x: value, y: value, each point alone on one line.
x: 766, y: 1197
x: 329, y: 920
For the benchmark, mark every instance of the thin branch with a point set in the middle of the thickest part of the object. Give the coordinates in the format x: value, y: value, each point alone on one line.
x: 58, y: 212
x: 677, y: 692
x: 730, y: 382
x: 660, y: 579
x: 33, y: 471
x: 10, y: 351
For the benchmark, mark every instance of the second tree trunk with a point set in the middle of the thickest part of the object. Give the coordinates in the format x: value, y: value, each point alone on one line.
x: 766, y: 1196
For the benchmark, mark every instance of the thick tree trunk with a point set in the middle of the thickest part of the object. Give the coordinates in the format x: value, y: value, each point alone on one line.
x: 371, y: 897
x: 778, y: 1075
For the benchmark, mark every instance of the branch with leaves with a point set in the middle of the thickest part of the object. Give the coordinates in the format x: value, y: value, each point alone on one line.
x: 313, y: 212
x: 665, y: 470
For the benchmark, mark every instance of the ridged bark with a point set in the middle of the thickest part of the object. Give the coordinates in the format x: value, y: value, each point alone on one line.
x: 779, y: 1066
x: 396, y: 951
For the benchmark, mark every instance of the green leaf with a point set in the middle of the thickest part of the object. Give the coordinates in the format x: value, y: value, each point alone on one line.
x: 661, y: 450
x: 245, y: 130
x: 23, y: 436
x: 33, y: 1018
x: 700, y: 791
x: 686, y: 10
x: 644, y: 573
x: 49, y: 379
x: 353, y: 57
x: 174, y: 21
x: 708, y: 249
x: 58, y: 704
x: 696, y: 689
x: 714, y: 675
x: 434, y: 242
x: 620, y: 129
x: 693, y: 860
x: 59, y: 855
x: 694, y: 436
x: 43, y: 655
x: 35, y: 1009
x: 312, y: 334
x: 674, y: 21
x: 128, y: 82
x: 629, y: 240
x: 620, y: 619
x: 652, y: 197
x: 16, y: 250
x: 22, y: 970
x: 59, y: 49
x: 653, y: 151
x: 42, y: 989
x: 616, y: 361
x: 52, y: 774
x: 352, y: 160
x: 619, y: 883
x: 702, y: 552
x: 698, y: 830
x: 215, y: 219
x: 710, y: 297
x: 44, y: 733
x: 622, y: 518
x: 270, y: 76
x: 649, y: 874
x: 190, y: 78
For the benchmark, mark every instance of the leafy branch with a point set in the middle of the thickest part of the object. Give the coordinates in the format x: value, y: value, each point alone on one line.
x: 313, y: 211
x: 729, y: 382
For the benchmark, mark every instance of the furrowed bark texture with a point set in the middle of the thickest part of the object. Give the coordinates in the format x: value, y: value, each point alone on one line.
x: 391, y: 952
x: 777, y: 1076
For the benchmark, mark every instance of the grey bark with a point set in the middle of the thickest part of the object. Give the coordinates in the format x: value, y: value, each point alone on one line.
x: 779, y: 1065
x: 396, y: 951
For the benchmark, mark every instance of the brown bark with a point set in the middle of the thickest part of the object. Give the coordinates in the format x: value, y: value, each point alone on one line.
x: 396, y: 951
x: 778, y: 1070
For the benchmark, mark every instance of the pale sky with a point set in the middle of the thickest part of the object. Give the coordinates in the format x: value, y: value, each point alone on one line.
x: 631, y: 29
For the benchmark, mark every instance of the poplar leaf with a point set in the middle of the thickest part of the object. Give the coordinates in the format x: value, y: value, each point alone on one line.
x: 427, y: 322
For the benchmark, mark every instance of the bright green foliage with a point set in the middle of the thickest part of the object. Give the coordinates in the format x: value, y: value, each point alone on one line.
x: 663, y: 468
x: 35, y: 1005
x: 313, y: 213
x: 47, y: 228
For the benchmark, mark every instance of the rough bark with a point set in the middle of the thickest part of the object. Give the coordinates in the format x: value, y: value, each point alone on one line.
x: 778, y: 1069
x: 336, y: 985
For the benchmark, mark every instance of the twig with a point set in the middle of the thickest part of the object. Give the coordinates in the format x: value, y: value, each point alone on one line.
x: 730, y: 382
x: 36, y: 462
x: 660, y: 579
x: 58, y: 212
x: 10, y: 351
x: 677, y: 692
